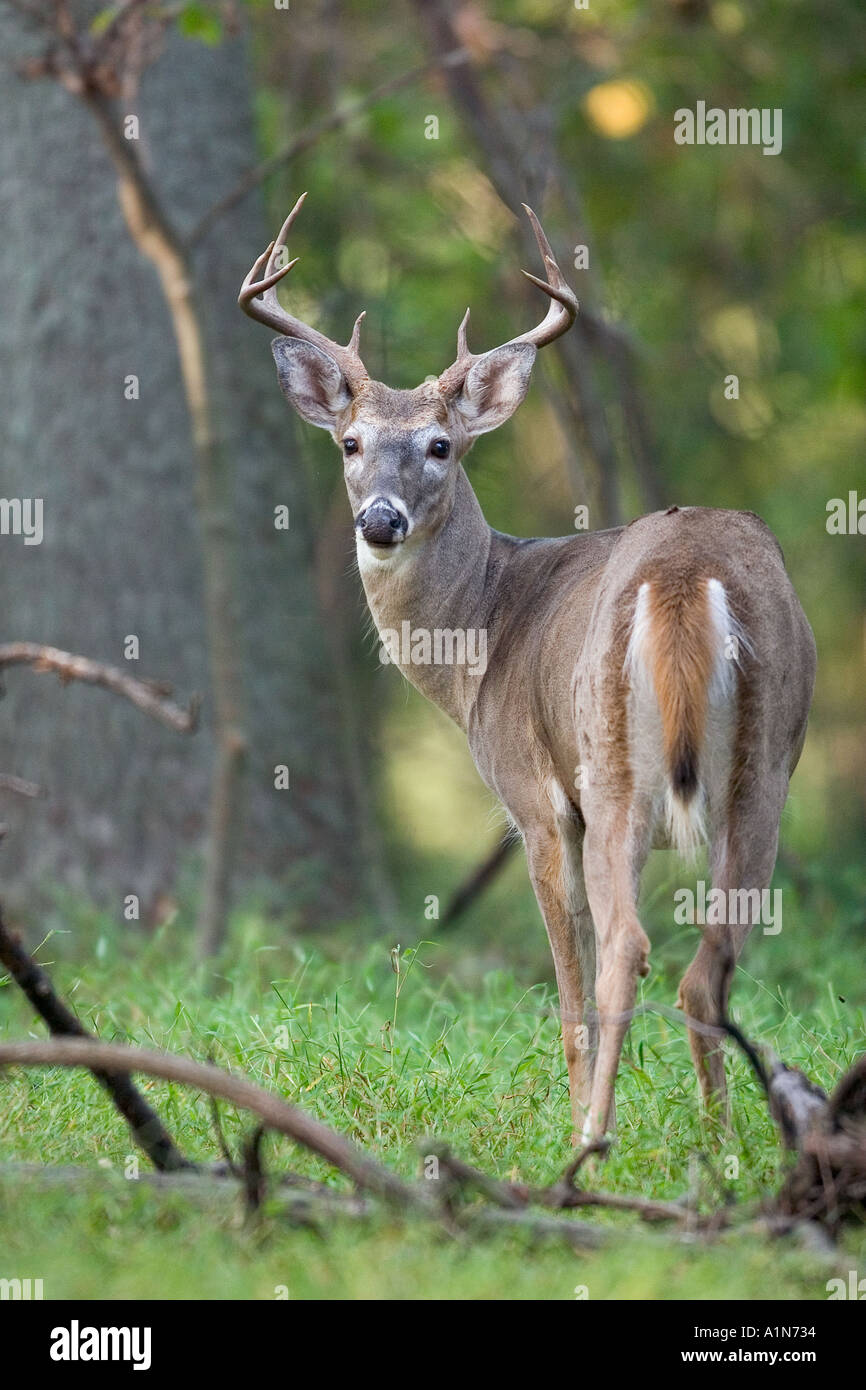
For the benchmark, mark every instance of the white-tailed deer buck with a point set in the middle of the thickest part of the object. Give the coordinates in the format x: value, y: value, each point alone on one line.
x: 645, y: 686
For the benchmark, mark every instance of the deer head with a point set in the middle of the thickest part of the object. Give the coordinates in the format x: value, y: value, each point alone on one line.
x: 401, y: 449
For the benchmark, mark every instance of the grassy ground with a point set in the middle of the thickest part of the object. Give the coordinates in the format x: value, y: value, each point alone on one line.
x: 467, y: 1050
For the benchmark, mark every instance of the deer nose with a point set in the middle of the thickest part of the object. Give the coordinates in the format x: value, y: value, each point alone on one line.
x: 381, y: 523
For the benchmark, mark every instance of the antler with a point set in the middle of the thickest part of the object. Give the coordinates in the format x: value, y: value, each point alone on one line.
x: 258, y: 298
x: 558, y: 319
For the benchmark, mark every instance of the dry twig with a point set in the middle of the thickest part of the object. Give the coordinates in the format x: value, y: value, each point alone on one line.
x: 152, y: 697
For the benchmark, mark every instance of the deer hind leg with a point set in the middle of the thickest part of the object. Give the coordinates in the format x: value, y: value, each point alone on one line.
x: 742, y: 857
x: 614, y: 852
x: 555, y: 868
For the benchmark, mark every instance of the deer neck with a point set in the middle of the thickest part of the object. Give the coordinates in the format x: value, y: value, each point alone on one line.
x: 429, y: 604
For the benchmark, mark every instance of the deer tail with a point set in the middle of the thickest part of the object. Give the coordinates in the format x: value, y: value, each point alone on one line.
x: 684, y: 645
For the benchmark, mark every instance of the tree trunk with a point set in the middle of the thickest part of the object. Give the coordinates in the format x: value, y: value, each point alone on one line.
x: 122, y: 553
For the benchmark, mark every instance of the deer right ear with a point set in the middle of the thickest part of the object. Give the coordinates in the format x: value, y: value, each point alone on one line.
x: 311, y: 381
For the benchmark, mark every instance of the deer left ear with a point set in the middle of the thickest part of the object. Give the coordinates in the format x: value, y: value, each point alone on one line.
x: 495, y: 386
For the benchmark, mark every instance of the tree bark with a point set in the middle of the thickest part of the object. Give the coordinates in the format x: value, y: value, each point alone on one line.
x: 125, y: 549
x: 154, y: 236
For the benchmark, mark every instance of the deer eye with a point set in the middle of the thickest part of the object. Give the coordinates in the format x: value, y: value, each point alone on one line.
x: 350, y: 445
x: 440, y: 448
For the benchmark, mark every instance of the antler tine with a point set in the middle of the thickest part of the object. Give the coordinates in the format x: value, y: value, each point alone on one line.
x: 562, y: 312
x: 452, y: 379
x: 258, y: 299
x: 283, y: 236
x: 355, y: 339
x: 252, y: 288
x: 543, y: 244
x: 558, y: 319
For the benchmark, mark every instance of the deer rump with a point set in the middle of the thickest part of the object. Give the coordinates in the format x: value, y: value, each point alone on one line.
x: 682, y: 663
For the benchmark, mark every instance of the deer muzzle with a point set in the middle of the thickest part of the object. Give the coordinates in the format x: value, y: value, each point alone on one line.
x: 381, y: 523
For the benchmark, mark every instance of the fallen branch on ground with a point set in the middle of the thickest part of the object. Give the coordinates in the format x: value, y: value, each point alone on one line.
x: 828, y: 1180
x: 277, y: 1114
x: 146, y: 1126
x: 562, y: 1195
x: 316, y: 1206
x: 827, y: 1183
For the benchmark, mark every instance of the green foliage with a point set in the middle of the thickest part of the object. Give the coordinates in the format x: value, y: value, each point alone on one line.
x: 389, y: 1059
x: 102, y: 19
x: 201, y: 22
x: 716, y: 260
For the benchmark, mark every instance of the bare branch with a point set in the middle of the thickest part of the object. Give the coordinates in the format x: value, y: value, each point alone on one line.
x: 222, y: 1142
x: 310, y: 1206
x: 644, y: 1207
x: 566, y: 1182
x: 277, y: 1114
x: 152, y: 697
x: 503, y: 1194
x: 254, y: 1177
x: 108, y: 61
x: 796, y: 1104
x: 19, y: 785
x: 477, y: 880
x: 313, y: 133
x: 146, y: 1126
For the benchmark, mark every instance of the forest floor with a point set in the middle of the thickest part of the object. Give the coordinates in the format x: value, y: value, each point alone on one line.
x: 467, y: 1051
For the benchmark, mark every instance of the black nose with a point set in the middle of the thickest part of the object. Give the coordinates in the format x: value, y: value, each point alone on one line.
x: 381, y: 524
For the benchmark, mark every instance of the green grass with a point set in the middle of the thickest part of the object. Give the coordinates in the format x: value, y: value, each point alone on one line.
x: 469, y: 1050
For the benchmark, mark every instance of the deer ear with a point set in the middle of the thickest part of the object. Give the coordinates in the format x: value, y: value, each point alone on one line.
x: 495, y: 386
x: 311, y: 381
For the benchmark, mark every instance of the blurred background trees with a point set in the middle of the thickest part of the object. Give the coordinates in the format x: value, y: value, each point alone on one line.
x: 97, y: 425
x: 692, y: 264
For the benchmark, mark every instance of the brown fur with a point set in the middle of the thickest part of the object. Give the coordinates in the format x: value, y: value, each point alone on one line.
x: 554, y: 699
x: 558, y: 614
x: 613, y: 693
x: 682, y: 664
